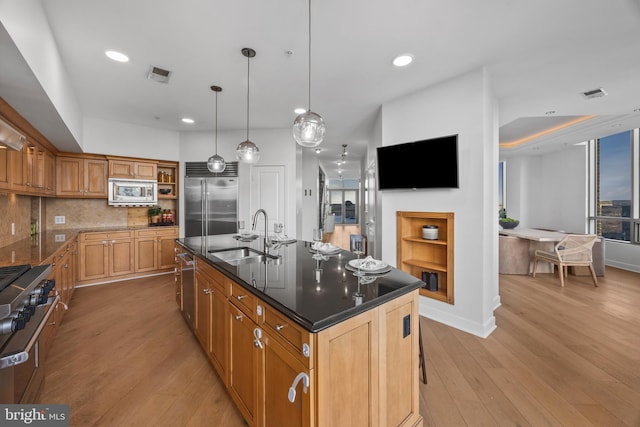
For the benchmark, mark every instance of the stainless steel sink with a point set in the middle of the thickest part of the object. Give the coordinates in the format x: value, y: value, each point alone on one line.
x: 244, y: 255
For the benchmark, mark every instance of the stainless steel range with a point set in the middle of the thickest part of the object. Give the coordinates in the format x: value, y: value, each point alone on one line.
x: 25, y: 306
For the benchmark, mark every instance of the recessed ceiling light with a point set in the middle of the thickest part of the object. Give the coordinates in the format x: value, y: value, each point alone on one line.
x: 318, y: 150
x: 402, y: 60
x: 636, y: 110
x: 300, y: 110
x: 117, y: 56
x: 187, y: 120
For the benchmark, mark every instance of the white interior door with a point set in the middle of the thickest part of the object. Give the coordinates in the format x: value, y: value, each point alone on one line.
x: 268, y: 193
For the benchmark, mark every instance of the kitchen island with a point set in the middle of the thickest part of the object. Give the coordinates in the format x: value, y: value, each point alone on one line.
x: 300, y: 340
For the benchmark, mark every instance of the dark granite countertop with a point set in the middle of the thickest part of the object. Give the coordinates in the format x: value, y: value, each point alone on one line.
x: 313, y: 299
x: 36, y: 249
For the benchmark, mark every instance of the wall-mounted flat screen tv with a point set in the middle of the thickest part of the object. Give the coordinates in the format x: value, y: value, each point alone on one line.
x: 429, y: 163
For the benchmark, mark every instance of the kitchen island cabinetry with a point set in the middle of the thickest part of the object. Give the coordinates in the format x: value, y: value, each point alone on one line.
x: 80, y: 176
x: 211, y: 324
x: 355, y: 363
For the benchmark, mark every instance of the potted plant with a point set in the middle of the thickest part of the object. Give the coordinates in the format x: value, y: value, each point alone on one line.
x: 154, y: 213
x: 505, y: 221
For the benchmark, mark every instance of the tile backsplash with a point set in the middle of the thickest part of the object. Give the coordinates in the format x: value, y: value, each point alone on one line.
x: 16, y: 210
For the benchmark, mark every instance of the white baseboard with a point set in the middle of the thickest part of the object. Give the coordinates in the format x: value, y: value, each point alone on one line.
x: 482, y: 330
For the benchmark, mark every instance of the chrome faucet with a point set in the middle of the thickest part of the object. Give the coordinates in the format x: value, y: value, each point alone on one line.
x: 266, y: 242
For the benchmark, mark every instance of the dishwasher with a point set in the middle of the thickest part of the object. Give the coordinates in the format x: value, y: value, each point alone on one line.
x: 187, y: 276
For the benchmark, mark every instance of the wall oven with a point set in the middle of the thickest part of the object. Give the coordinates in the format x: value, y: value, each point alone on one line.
x: 132, y: 192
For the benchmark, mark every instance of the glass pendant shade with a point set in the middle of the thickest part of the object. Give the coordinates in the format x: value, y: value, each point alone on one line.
x: 308, y: 129
x: 216, y: 164
x: 248, y: 152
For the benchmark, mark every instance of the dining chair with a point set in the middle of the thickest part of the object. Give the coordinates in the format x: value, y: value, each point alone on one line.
x: 572, y: 250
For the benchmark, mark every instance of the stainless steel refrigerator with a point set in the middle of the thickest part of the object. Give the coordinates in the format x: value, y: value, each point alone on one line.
x: 211, y: 200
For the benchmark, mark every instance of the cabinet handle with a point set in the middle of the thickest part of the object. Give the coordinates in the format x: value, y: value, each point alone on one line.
x: 104, y: 243
x: 207, y: 291
x: 280, y: 327
x: 113, y: 241
x: 292, y: 390
x: 238, y: 316
x: 257, y: 333
x: 52, y: 323
x: 240, y: 297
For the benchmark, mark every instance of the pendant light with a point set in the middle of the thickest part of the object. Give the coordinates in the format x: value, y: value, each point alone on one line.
x: 216, y: 163
x: 247, y: 151
x: 308, y: 127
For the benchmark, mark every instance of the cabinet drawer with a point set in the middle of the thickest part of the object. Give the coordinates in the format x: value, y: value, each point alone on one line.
x: 220, y: 282
x: 244, y: 300
x: 105, y: 235
x: 298, y: 340
x: 165, y: 232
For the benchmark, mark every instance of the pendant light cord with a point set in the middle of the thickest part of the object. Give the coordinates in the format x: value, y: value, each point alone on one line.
x: 216, y: 123
x: 309, y: 110
x: 248, y: 70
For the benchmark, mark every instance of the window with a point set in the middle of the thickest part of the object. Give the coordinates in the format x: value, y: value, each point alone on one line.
x: 501, y: 185
x: 615, y: 172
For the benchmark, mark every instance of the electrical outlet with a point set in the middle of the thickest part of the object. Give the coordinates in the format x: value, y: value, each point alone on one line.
x: 13, y: 228
x: 60, y: 237
x: 59, y: 219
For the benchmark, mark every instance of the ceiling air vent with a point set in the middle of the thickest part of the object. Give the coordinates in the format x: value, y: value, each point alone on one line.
x: 595, y: 93
x: 158, y: 74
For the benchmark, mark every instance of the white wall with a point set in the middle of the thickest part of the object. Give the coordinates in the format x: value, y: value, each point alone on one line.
x: 463, y: 105
x: 277, y: 147
x: 125, y: 139
x: 29, y: 29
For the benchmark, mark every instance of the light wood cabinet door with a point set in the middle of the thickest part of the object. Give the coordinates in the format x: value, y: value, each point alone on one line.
x: 146, y: 254
x: 69, y: 176
x: 132, y: 169
x: 219, y: 338
x: 49, y: 173
x: 246, y: 365
x: 4, y: 169
x: 347, y: 372
x: 166, y: 242
x: 93, y: 260
x: 95, y: 178
x: 281, y: 369
x: 145, y: 170
x: 17, y: 169
x: 202, y: 320
x: 121, y: 257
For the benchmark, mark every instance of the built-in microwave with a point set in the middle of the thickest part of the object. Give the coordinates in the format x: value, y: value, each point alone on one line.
x: 132, y: 192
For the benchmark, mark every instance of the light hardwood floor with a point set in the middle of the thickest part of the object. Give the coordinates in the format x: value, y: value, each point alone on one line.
x: 559, y: 357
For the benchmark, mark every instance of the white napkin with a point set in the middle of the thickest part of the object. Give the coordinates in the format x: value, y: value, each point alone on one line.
x: 324, y: 247
x: 369, y: 263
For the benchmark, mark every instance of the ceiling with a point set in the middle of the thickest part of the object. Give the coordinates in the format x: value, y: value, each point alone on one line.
x: 540, y: 55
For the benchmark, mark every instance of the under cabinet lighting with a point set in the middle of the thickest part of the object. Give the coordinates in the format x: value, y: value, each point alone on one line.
x: 187, y: 120
x: 402, y: 60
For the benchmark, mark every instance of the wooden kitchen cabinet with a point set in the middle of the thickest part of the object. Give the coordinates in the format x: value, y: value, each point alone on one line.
x: 281, y: 370
x: 362, y: 371
x: 84, y: 177
x: 136, y: 169
x: 210, y: 326
x: 246, y: 365
x: 155, y: 249
x: 4, y: 169
x: 106, y: 254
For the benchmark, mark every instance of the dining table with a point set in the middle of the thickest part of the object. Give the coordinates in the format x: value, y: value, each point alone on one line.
x: 538, y: 240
